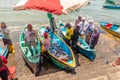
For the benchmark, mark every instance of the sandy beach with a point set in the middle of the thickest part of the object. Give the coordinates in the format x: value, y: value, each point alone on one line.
x: 107, y: 50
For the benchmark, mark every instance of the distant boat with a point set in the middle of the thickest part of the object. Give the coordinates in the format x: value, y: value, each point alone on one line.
x: 110, y: 1
x: 117, y: 2
x: 111, y: 6
x: 31, y: 62
x: 82, y: 46
x: 111, y: 28
x: 3, y: 49
x: 57, y: 47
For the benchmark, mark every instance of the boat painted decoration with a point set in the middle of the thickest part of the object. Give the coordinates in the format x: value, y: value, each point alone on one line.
x: 111, y: 28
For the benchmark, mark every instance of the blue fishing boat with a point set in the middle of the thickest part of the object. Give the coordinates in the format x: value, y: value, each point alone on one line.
x: 33, y: 62
x: 82, y: 46
x: 3, y: 49
x: 111, y: 6
x: 110, y: 1
x: 0, y: 35
x: 57, y: 47
x: 111, y: 28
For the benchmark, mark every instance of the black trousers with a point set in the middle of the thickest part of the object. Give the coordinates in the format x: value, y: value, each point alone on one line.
x: 92, y: 46
x: 4, y: 75
x: 68, y: 42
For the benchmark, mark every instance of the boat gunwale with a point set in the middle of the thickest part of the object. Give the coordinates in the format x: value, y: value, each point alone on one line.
x: 23, y: 49
x: 60, y: 61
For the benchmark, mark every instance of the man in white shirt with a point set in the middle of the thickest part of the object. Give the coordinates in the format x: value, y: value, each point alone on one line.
x: 83, y: 24
x: 30, y: 37
x: 89, y: 30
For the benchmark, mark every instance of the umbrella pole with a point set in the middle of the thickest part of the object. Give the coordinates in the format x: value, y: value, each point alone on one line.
x: 52, y: 25
x: 52, y: 22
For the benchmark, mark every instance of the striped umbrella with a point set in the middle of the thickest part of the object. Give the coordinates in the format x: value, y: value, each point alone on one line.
x: 57, y: 7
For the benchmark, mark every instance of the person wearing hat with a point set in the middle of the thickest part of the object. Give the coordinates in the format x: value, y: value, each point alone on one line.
x: 6, y: 37
x: 45, y: 45
x: 46, y: 42
x: 69, y: 33
x: 30, y: 37
x: 47, y: 29
x: 89, y: 30
x: 83, y: 24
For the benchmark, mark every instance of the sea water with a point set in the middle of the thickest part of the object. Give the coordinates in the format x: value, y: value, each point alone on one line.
x: 93, y: 11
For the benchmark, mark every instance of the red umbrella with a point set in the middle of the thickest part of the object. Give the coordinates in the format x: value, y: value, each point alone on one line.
x: 52, y: 6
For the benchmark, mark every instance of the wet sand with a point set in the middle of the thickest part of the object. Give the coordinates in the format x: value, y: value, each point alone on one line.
x: 107, y: 49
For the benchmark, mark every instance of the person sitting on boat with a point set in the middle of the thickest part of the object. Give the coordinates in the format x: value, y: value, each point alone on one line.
x: 30, y: 38
x: 46, y: 44
x: 89, y: 30
x: 94, y: 38
x: 83, y: 24
x: 47, y: 29
x: 3, y: 69
x: 69, y: 33
x: 6, y: 37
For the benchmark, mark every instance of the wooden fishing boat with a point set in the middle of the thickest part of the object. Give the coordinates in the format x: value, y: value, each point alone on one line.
x: 33, y: 62
x: 82, y: 46
x: 57, y: 44
x: 110, y: 1
x: 111, y: 6
x: 0, y: 36
x: 111, y: 28
x: 3, y: 49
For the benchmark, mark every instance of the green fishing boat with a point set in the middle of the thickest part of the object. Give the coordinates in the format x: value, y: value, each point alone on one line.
x: 33, y: 62
x: 82, y: 46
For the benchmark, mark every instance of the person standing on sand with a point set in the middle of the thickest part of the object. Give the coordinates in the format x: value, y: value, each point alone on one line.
x: 94, y: 38
x: 76, y: 35
x: 83, y: 24
x: 6, y: 37
x: 69, y: 33
x: 89, y: 30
